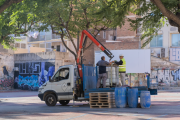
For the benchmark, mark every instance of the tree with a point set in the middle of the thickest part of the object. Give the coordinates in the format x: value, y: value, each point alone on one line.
x: 67, y: 17
x: 17, y: 19
x: 152, y: 14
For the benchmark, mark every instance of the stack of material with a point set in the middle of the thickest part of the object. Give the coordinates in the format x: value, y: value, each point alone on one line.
x: 102, y: 100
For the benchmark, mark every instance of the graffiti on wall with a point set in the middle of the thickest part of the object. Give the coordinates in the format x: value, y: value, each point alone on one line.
x: 168, y: 77
x: 6, y: 80
x: 33, y: 74
x: 176, y: 75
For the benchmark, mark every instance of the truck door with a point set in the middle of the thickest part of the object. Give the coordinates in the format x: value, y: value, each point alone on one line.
x: 61, y: 82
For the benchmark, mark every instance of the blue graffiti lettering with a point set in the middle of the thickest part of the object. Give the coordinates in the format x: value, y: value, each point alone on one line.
x: 28, y: 82
x: 176, y: 75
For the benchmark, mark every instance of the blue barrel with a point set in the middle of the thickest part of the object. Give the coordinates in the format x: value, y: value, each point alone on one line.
x: 120, y: 97
x: 133, y: 97
x: 145, y: 99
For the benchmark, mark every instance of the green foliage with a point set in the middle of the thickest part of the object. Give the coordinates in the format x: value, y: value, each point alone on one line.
x: 66, y: 17
x: 17, y: 19
x: 151, y: 20
x: 58, y: 14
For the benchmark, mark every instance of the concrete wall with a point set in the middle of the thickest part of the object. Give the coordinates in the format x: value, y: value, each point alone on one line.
x: 32, y: 50
x: 3, y: 50
x: 20, y: 51
x: 37, y: 49
x: 169, y: 77
x: 166, y: 72
x: 6, y: 71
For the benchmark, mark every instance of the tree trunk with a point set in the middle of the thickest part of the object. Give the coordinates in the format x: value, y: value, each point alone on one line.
x: 8, y: 3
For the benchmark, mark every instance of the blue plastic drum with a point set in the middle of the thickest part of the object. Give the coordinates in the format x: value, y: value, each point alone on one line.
x: 145, y: 99
x: 133, y: 97
x: 120, y: 97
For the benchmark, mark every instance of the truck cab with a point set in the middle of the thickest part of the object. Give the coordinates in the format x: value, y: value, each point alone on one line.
x: 59, y: 87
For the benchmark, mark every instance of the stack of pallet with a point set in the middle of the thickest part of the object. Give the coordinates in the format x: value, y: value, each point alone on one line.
x: 102, y: 100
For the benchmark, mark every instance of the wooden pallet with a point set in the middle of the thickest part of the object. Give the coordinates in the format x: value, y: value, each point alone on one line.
x: 102, y: 100
x: 103, y: 94
x: 102, y: 105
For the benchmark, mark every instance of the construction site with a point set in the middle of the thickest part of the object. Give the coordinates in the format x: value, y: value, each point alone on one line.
x: 89, y: 59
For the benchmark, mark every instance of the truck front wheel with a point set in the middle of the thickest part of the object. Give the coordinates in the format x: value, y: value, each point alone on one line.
x: 64, y: 102
x: 50, y: 100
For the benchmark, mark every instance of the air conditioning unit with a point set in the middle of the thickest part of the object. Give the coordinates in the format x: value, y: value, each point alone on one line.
x: 162, y: 52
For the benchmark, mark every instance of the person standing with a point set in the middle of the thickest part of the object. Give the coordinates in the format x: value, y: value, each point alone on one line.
x: 122, y: 69
x: 102, y: 72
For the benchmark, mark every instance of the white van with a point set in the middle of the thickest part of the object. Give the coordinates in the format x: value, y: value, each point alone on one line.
x: 59, y: 87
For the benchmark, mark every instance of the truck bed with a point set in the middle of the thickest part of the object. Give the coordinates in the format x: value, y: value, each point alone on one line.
x: 90, y: 81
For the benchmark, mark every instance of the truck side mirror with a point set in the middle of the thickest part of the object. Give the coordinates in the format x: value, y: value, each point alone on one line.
x: 50, y: 79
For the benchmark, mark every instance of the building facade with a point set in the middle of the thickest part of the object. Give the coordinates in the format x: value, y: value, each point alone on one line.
x: 165, y: 51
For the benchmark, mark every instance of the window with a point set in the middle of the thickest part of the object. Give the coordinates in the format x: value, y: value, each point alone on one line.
x: 104, y: 34
x: 157, y: 41
x: 175, y: 39
x: 17, y: 45
x: 42, y: 45
x: 62, y: 74
x: 48, y: 45
x: 23, y: 45
x: 58, y: 48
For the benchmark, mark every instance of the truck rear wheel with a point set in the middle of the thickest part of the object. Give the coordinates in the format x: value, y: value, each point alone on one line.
x: 50, y: 100
x: 64, y: 102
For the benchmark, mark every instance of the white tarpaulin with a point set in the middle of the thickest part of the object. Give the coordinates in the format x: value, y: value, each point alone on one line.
x: 33, y: 34
x: 137, y: 60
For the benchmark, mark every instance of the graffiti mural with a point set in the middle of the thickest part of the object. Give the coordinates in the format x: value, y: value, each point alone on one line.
x: 176, y: 75
x: 6, y: 81
x: 167, y: 77
x: 33, y: 74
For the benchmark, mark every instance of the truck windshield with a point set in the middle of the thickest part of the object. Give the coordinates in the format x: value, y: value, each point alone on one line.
x: 62, y: 74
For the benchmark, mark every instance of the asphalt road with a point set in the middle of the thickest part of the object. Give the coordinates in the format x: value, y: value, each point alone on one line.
x: 23, y: 105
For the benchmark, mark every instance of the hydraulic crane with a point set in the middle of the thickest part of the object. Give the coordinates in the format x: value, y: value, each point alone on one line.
x: 81, y: 46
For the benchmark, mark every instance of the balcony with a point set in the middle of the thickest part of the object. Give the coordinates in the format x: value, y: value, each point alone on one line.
x: 54, y: 36
x: 44, y: 37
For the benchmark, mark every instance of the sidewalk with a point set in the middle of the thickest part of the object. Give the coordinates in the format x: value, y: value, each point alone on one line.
x: 168, y: 88
x: 14, y: 90
x: 17, y: 93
